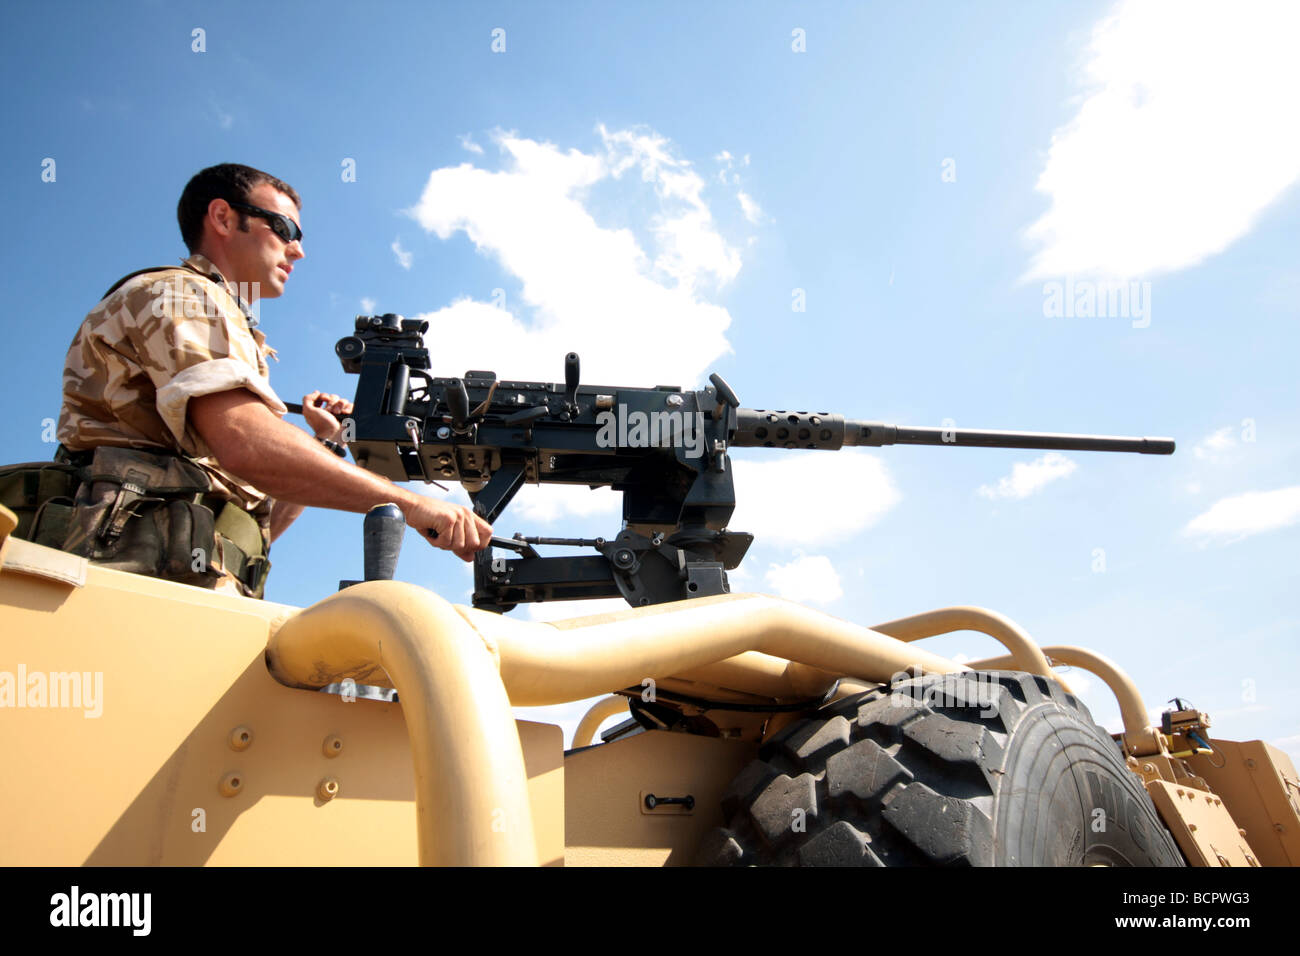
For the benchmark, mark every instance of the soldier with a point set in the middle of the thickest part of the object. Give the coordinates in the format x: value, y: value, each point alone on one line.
x: 166, y: 401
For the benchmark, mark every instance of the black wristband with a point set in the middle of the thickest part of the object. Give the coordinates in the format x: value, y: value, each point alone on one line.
x: 334, y: 446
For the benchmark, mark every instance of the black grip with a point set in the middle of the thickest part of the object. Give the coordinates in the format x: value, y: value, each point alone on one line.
x: 382, y: 542
x: 457, y: 401
x: 725, y: 392
x: 571, y: 369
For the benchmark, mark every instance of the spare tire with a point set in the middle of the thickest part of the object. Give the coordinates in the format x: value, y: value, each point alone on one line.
x: 988, y: 768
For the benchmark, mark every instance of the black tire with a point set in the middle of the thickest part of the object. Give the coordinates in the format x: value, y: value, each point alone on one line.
x: 987, y: 769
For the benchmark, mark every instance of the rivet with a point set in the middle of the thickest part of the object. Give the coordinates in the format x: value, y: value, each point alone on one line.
x: 231, y: 784
x: 327, y: 789
x: 1192, y: 827
x: 241, y: 738
x: 333, y: 745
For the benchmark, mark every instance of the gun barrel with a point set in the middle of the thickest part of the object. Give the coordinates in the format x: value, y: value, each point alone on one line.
x: 781, y: 429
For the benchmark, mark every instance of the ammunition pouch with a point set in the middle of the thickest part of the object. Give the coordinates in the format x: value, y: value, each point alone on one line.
x: 41, y: 494
x: 146, y: 512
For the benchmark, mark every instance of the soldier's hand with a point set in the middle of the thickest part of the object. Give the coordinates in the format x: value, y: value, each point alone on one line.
x: 320, y: 410
x: 451, y: 527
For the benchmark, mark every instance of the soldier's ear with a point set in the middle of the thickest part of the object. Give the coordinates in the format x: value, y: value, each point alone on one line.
x: 221, y: 218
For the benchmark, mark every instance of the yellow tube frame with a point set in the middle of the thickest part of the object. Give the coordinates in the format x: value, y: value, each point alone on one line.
x: 1140, y: 738
x: 458, y: 672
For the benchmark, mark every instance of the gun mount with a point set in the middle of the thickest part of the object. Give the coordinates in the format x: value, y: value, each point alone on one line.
x: 665, y: 448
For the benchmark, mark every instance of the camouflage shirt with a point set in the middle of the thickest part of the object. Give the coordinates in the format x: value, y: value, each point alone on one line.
x: 159, y: 340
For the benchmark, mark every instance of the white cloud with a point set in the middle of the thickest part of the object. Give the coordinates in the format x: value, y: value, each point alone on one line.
x: 1212, y: 446
x: 1028, y: 478
x: 467, y: 143
x: 1080, y: 681
x: 535, y: 504
x: 810, y: 579
x: 367, y: 305
x: 1180, y: 139
x: 637, y: 316
x: 1230, y: 519
x: 750, y: 208
x: 404, y: 258
x: 774, y: 503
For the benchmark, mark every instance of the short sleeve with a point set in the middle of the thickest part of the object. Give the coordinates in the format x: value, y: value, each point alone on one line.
x: 191, y: 339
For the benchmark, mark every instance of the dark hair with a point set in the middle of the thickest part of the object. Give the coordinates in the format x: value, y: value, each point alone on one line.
x: 229, y: 181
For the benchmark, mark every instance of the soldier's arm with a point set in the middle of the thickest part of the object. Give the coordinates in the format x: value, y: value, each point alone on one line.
x: 251, y: 441
x: 283, y: 514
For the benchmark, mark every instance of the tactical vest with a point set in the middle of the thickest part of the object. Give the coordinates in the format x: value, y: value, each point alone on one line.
x: 145, y: 511
x: 148, y: 512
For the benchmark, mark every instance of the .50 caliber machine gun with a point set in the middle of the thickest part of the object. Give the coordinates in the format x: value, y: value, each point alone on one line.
x: 664, y: 448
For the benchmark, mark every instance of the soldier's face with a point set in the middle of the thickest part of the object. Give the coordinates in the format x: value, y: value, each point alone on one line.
x: 259, y: 255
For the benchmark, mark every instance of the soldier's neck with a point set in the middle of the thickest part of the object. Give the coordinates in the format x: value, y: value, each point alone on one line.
x: 248, y: 290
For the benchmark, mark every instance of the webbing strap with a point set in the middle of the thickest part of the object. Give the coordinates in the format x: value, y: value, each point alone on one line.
x: 139, y: 272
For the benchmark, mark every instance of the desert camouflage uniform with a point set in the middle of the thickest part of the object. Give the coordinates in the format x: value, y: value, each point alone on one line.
x: 143, y: 352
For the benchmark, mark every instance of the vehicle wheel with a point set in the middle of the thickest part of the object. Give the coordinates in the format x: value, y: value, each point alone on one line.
x: 989, y: 768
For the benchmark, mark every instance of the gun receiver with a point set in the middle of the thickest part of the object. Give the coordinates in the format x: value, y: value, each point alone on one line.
x: 664, y: 448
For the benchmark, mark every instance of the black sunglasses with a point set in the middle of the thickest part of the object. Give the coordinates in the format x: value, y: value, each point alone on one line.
x: 281, y: 225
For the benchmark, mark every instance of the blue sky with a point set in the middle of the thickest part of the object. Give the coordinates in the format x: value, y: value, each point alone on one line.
x: 656, y: 185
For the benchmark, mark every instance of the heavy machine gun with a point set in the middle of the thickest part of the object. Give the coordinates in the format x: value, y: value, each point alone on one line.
x: 665, y: 448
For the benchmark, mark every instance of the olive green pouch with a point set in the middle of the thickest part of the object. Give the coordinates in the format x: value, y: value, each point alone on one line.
x: 25, y: 489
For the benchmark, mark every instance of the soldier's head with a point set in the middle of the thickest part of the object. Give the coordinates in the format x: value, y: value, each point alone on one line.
x: 246, y: 222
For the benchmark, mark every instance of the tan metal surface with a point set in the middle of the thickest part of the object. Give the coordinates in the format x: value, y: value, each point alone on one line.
x: 551, y: 663
x: 606, y: 820
x: 1140, y: 738
x: 8, y: 521
x: 601, y: 711
x: 1260, y: 787
x: 1201, y: 825
x: 471, y: 788
x: 181, y: 668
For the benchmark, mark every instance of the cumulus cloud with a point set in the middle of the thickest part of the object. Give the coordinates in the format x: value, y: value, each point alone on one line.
x: 810, y: 579
x: 638, y: 313
x: 776, y: 503
x: 1180, y: 140
x: 1230, y: 519
x: 367, y: 305
x: 750, y: 208
x: 535, y: 504
x: 467, y: 143
x: 404, y: 258
x: 1028, y: 478
x: 1213, y: 445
